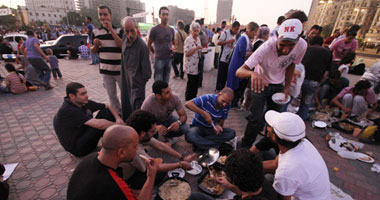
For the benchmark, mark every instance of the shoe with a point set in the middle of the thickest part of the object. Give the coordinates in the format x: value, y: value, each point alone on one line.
x: 49, y: 87
x: 175, y: 77
x: 92, y: 64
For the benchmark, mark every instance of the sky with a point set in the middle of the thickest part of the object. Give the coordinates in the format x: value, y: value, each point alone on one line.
x: 259, y: 11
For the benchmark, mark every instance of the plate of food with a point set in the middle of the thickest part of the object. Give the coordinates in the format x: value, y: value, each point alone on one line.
x: 208, y: 184
x: 279, y: 98
x: 320, y: 116
x: 365, y: 158
x: 174, y: 189
x: 197, y: 169
x: 320, y: 124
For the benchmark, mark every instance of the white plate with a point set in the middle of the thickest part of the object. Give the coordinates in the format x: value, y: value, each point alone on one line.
x: 320, y: 124
x: 180, y: 171
x: 348, y: 154
x: 279, y: 98
x: 362, y: 155
x: 197, y: 169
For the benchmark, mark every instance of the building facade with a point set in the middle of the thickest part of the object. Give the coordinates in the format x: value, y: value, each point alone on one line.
x: 224, y: 11
x: 49, y: 11
x: 176, y: 13
x: 373, y: 35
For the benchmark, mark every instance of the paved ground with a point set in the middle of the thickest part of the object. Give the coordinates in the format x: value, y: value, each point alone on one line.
x: 27, y: 137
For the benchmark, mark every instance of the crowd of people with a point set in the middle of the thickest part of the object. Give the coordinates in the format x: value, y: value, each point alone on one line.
x: 253, y: 64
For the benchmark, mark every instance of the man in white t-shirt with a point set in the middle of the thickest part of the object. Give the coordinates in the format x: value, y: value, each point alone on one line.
x: 269, y: 67
x: 300, y: 171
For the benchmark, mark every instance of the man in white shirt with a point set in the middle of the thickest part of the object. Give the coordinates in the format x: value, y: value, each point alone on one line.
x: 300, y: 171
x: 271, y: 69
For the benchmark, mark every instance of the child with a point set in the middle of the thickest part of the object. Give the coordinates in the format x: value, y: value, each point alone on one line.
x: 345, y: 63
x: 54, y: 64
x: 83, y: 51
x: 14, y: 81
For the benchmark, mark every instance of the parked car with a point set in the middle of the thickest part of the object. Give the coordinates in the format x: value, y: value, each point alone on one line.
x: 59, y: 45
x: 11, y: 38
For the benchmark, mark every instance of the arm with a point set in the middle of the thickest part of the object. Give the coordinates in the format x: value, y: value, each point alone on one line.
x: 182, y: 118
x: 254, y: 150
x: 192, y: 51
x: 257, y: 82
x: 101, y: 124
x: 270, y: 166
x: 340, y: 105
x: 165, y: 167
x: 39, y: 50
x: 191, y: 106
x: 147, y: 189
x: 288, y: 78
x: 166, y: 149
x: 150, y: 42
x: 316, y: 99
x: 226, y: 184
x: 117, y: 39
x: 226, y: 42
x: 115, y: 115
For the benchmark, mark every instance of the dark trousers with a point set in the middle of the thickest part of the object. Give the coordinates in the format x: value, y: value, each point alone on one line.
x: 56, y: 72
x: 191, y: 87
x: 216, y: 60
x: 200, y: 70
x: 239, y: 93
x: 87, y: 142
x: 137, y: 180
x: 222, y: 75
x: 178, y: 59
x: 256, y: 120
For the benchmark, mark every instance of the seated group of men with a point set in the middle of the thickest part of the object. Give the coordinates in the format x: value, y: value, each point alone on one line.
x: 97, y: 176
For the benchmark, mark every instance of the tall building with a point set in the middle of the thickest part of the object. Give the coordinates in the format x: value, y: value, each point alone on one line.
x: 119, y: 8
x: 341, y: 14
x: 176, y: 13
x: 373, y: 35
x: 49, y: 11
x: 224, y: 10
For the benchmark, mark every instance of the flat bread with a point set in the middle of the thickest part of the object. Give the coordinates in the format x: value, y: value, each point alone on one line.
x: 174, y: 189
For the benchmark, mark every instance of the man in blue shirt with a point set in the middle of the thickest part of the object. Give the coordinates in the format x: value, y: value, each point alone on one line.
x: 207, y: 126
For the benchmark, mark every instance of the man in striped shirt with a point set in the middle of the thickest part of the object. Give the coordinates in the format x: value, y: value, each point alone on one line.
x: 206, y: 129
x: 107, y: 42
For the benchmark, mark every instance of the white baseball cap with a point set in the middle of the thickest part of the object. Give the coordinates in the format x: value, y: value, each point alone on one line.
x: 286, y: 125
x: 290, y: 30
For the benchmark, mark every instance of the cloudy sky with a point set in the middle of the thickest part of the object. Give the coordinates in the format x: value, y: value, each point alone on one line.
x: 260, y: 11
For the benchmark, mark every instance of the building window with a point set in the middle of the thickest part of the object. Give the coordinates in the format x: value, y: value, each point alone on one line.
x: 60, y: 16
x: 31, y: 14
x: 51, y: 22
x: 49, y: 15
x: 55, y: 15
x: 37, y: 14
x: 333, y: 13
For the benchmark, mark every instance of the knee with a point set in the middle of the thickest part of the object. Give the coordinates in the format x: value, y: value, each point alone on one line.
x: 230, y: 133
x: 347, y: 97
x: 191, y: 135
x: 359, y: 99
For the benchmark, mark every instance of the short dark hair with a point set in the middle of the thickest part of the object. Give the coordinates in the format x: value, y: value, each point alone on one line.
x: 163, y: 8
x: 285, y: 143
x: 105, y: 7
x: 224, y: 22
x: 334, y: 74
x: 361, y: 85
x: 352, y: 33
x: 181, y: 24
x: 10, y: 68
x: 30, y: 32
x: 280, y: 19
x: 18, y: 39
x: 235, y: 24
x: 348, y: 58
x: 298, y: 15
x: 218, y: 29
x: 158, y: 86
x: 82, y: 42
x: 245, y: 170
x: 89, y: 18
x: 316, y: 40
x: 68, y: 43
x: 72, y: 88
x: 316, y: 27
x: 354, y: 27
x: 141, y: 120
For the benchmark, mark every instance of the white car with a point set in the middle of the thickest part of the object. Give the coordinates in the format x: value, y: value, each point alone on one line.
x: 11, y: 38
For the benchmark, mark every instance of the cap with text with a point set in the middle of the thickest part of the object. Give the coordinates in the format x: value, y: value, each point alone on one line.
x: 290, y: 30
x: 286, y: 125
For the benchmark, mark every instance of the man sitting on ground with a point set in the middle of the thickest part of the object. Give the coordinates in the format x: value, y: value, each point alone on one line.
x: 135, y: 172
x: 329, y: 88
x: 300, y: 171
x: 207, y: 126
x: 73, y: 53
x: 354, y: 100
x: 77, y: 130
x: 96, y: 176
x: 161, y: 104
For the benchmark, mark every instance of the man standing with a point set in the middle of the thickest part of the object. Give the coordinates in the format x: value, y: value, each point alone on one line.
x: 90, y: 28
x: 135, y: 71
x: 211, y: 110
x: 96, y: 176
x: 77, y: 130
x: 204, y: 42
x: 215, y: 38
x: 227, y: 41
x: 135, y: 172
x: 34, y: 55
x: 107, y: 42
x: 273, y: 63
x: 162, y: 103
x: 300, y: 171
x: 163, y: 38
x: 179, y: 41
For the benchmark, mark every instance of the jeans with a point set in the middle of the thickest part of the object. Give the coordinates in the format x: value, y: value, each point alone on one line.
x: 191, y: 87
x: 256, y: 118
x: 4, y: 90
x: 94, y: 57
x: 88, y: 140
x: 178, y: 59
x: 183, y: 129
x: 109, y: 82
x: 41, y: 68
x: 308, y: 89
x: 205, y: 138
x: 56, y: 72
x: 162, y: 69
x: 357, y: 104
x: 200, y: 70
x: 222, y: 75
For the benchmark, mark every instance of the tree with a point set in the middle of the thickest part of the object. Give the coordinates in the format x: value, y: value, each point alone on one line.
x: 326, y: 30
x: 93, y: 13
x: 8, y: 20
x: 73, y: 18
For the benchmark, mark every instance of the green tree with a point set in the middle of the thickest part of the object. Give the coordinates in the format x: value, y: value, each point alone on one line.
x: 8, y: 20
x: 93, y: 13
x: 73, y: 18
x: 326, y: 30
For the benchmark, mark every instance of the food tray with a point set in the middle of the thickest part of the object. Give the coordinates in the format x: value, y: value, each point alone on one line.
x: 338, y: 127
x: 204, y: 189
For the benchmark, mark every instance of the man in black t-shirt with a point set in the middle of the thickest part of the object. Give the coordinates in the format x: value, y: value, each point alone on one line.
x: 73, y: 52
x: 77, y: 130
x: 96, y: 176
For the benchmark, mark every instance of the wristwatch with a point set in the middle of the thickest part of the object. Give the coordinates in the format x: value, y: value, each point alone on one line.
x: 179, y: 122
